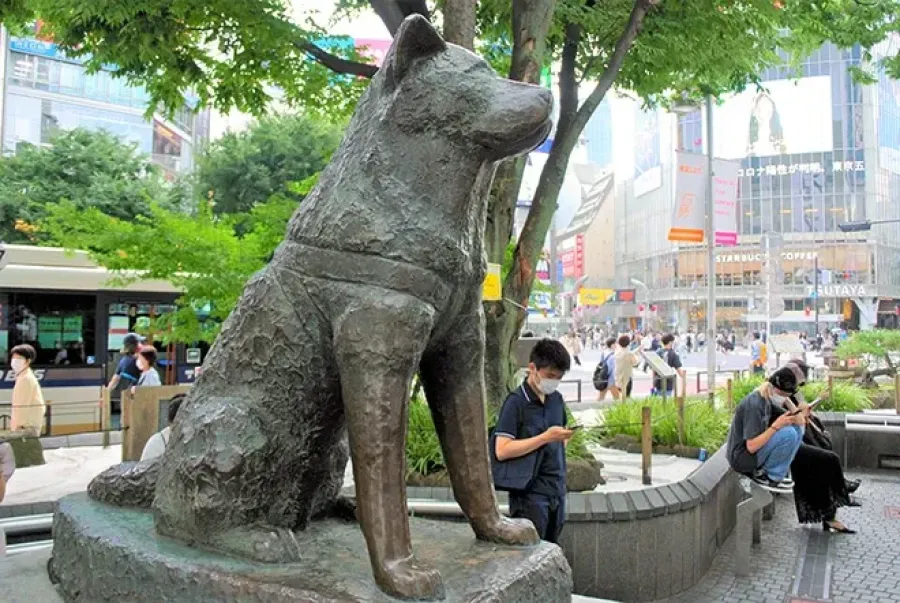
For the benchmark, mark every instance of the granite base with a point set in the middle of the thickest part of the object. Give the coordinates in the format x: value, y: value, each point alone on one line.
x: 104, y: 554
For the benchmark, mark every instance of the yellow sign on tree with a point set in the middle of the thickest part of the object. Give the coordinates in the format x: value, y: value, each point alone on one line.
x: 492, y: 289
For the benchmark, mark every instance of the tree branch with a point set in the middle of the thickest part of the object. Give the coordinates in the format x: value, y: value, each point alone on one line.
x: 632, y: 29
x: 518, y: 282
x: 393, y: 12
x: 336, y: 63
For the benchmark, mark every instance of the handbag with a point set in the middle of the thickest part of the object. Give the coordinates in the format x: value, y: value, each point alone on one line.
x: 513, y: 475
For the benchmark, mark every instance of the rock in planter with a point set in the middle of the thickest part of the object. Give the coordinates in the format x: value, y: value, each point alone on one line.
x: 583, y: 475
x: 688, y: 452
x: 621, y: 442
x: 27, y: 450
x: 432, y: 480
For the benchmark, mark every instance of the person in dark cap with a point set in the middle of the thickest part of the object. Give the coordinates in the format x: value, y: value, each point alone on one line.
x: 764, y: 438
x: 127, y: 372
x: 820, y: 487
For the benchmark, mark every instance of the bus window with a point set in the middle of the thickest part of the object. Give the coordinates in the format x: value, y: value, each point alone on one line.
x: 59, y: 326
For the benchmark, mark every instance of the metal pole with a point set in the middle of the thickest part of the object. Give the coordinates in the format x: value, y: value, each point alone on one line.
x: 769, y: 270
x: 711, y: 259
x: 816, y: 293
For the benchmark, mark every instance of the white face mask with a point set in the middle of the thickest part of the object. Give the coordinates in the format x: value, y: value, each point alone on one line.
x: 779, y: 399
x: 142, y: 364
x: 17, y: 364
x: 548, y: 386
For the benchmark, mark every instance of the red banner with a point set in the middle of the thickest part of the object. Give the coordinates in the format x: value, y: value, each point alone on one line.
x: 579, y: 256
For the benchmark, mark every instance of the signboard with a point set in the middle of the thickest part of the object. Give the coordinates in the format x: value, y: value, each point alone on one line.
x: 837, y: 291
x: 689, y: 218
x: 786, y: 344
x: 579, y: 255
x: 595, y: 297
x: 660, y: 367
x: 492, y: 289
x: 689, y: 213
x: 192, y: 355
x: 725, y: 193
x: 624, y: 296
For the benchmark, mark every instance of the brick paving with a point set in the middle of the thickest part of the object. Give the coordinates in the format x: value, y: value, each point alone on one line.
x: 862, y: 568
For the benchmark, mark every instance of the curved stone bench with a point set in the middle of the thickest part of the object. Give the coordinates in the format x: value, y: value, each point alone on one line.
x: 645, y: 544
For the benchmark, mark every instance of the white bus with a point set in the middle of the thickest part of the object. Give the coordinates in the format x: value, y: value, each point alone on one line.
x: 64, y: 305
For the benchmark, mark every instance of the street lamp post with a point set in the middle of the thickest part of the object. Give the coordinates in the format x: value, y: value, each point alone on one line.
x: 710, y: 235
x: 646, y: 289
x: 711, y: 258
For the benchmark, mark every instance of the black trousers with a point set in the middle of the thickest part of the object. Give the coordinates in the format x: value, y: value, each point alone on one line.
x: 547, y: 513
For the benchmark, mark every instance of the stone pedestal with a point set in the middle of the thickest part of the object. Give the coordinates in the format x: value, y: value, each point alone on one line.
x: 110, y: 554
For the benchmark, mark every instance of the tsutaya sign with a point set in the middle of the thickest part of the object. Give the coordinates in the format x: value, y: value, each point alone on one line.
x: 728, y: 258
x: 838, y: 291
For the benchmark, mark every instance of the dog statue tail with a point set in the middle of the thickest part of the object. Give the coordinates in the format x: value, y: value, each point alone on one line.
x: 130, y: 484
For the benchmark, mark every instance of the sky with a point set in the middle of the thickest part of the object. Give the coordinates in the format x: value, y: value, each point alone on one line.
x: 366, y: 25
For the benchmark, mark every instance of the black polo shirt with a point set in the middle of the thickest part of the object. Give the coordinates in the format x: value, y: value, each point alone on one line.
x: 537, y: 417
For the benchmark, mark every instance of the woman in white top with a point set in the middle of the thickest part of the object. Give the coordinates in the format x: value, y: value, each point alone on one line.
x: 157, y: 443
x: 146, y: 363
x: 27, y: 400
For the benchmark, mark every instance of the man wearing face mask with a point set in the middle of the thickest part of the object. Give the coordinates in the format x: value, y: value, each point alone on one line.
x: 764, y: 439
x: 533, y: 422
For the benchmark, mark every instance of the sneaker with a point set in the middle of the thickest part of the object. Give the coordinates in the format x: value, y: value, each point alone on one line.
x: 761, y: 478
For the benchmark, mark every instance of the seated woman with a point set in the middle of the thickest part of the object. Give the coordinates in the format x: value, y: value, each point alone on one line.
x: 764, y: 439
x: 7, y: 466
x: 819, y: 484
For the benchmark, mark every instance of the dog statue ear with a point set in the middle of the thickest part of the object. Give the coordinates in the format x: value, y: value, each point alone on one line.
x: 416, y: 39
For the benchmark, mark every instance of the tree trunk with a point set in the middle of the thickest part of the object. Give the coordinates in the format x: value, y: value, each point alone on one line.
x: 518, y: 283
x: 459, y: 22
x: 531, y: 22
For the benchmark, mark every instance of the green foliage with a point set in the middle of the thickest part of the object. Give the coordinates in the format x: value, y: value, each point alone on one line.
x: 741, y: 388
x: 92, y: 170
x: 867, y: 344
x: 846, y: 396
x: 198, y: 253
x: 423, y: 449
x: 704, y: 426
x: 241, y: 170
x: 230, y: 53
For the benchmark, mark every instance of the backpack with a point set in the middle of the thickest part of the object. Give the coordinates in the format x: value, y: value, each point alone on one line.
x: 601, y: 373
x: 512, y: 475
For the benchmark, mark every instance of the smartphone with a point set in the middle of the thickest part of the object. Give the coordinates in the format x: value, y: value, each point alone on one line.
x: 812, y: 406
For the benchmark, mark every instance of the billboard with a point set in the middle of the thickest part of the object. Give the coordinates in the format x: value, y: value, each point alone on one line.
x: 786, y: 117
x: 888, y: 121
x: 647, y: 157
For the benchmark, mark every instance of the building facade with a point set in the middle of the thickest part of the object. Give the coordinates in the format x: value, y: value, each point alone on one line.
x: 44, y: 91
x: 814, y: 152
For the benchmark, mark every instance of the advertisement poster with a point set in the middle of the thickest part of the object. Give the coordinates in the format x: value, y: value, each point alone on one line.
x: 725, y: 190
x: 594, y: 297
x: 689, y: 213
x: 647, y: 163
x: 786, y: 117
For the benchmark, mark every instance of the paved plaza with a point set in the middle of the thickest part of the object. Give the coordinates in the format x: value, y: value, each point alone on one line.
x: 802, y: 564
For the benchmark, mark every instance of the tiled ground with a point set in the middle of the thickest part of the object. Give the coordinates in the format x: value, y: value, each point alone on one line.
x: 861, y: 568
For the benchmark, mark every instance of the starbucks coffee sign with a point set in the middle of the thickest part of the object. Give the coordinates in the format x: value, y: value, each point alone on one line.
x: 838, y: 291
x: 758, y: 256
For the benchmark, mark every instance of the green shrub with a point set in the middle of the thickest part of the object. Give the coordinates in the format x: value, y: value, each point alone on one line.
x: 742, y: 387
x: 704, y: 426
x: 423, y: 449
x: 846, y: 397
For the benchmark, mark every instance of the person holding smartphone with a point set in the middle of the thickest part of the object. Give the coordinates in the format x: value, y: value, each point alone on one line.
x: 764, y: 438
x: 532, y: 421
